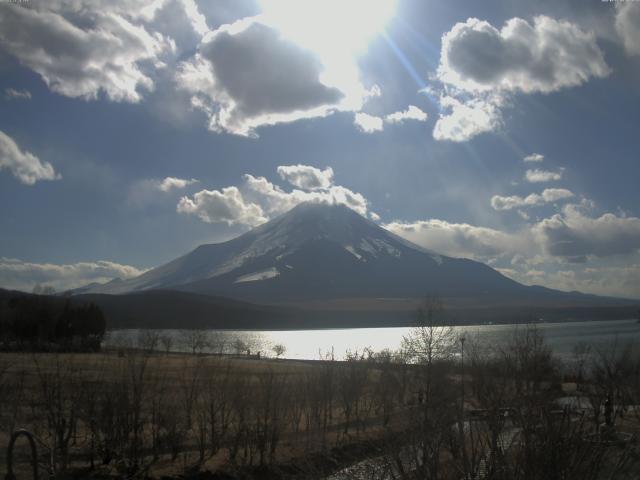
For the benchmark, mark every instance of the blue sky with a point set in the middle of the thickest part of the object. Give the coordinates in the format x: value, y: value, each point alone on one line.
x: 132, y: 131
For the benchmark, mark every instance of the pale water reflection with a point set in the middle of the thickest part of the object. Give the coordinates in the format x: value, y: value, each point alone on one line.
x: 328, y: 343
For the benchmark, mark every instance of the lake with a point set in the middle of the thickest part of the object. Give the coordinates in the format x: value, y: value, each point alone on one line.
x: 335, y: 343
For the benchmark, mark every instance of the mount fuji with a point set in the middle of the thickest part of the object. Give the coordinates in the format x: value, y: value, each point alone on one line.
x: 314, y: 252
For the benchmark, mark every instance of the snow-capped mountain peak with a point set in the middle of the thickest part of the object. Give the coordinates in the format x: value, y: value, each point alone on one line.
x: 314, y: 250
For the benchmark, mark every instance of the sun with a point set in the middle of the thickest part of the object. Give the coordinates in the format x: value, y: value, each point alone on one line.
x: 331, y: 28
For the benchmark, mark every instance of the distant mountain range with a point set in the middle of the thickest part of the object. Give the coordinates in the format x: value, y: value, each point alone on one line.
x: 325, y: 265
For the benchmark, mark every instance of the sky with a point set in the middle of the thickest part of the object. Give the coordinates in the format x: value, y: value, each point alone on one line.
x: 132, y: 131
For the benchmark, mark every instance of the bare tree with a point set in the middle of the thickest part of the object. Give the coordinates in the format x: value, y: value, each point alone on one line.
x: 429, y: 340
x: 59, y: 397
x: 279, y: 349
x: 239, y: 346
x: 581, y: 353
x: 195, y: 340
x: 218, y: 407
x: 429, y: 344
x: 530, y: 359
x: 167, y: 342
x: 148, y: 340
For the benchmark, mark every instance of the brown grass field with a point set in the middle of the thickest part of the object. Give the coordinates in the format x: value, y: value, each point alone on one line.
x: 143, y: 414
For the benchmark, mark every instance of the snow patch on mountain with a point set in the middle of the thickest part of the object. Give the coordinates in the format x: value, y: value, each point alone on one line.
x: 365, y: 246
x: 382, y: 245
x: 352, y: 251
x: 257, y: 276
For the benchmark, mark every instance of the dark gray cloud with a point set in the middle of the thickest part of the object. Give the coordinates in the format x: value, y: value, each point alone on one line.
x: 248, y: 74
x: 543, y: 56
x: 482, y: 67
x: 265, y: 73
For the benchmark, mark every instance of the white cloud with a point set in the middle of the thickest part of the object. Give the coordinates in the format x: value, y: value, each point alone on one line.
x: 620, y: 281
x: 13, y: 94
x: 464, y: 120
x: 628, y: 26
x: 222, y: 206
x: 306, y: 176
x: 275, y: 201
x: 83, y: 48
x: 170, y: 183
x: 548, y: 195
x: 368, y: 123
x: 257, y: 200
x: 539, y: 176
x: 574, y: 235
x: 616, y: 280
x: 554, y: 194
x: 338, y: 194
x: 481, y: 67
x: 411, y: 113
x: 498, y: 202
x: 570, y: 235
x: 569, y: 251
x: 25, y: 166
x: 534, y: 157
x: 457, y: 239
x: 542, y: 57
x: 197, y: 19
x: 19, y: 275
x: 249, y: 74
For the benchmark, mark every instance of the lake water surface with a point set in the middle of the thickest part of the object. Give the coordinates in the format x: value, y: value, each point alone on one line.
x: 328, y: 343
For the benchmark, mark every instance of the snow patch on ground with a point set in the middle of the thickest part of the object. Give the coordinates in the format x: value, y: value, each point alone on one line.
x: 257, y: 276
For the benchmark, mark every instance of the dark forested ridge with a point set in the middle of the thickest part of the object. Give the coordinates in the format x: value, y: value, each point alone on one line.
x: 45, y: 322
x: 173, y: 309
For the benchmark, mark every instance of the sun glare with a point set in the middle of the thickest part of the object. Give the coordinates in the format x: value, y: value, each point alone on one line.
x: 329, y: 27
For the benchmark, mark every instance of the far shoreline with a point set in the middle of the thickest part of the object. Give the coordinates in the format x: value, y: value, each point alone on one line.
x: 407, y: 325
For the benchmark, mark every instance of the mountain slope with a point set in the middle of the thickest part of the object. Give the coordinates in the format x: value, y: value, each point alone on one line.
x: 319, y: 251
